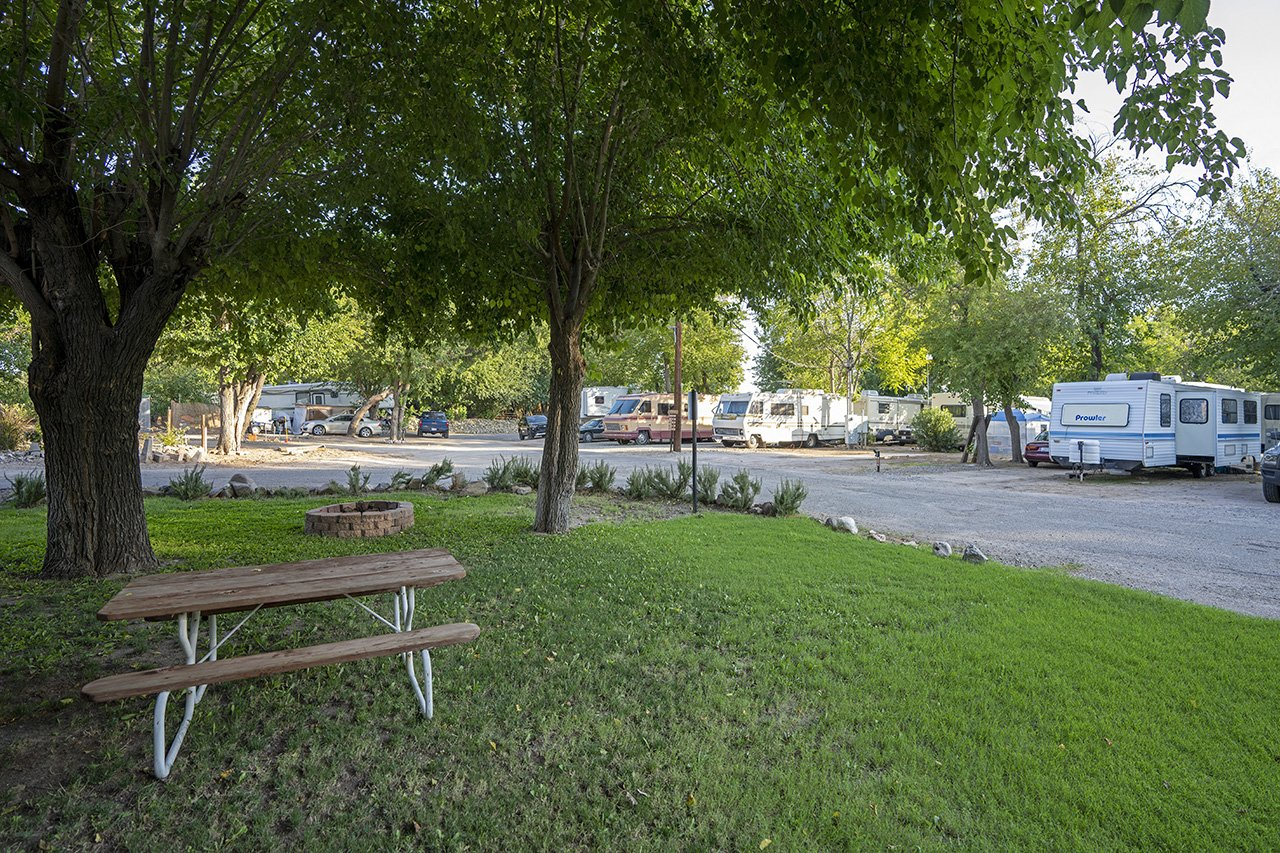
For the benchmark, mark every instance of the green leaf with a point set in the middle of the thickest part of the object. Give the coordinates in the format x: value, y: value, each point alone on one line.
x: 1194, y: 15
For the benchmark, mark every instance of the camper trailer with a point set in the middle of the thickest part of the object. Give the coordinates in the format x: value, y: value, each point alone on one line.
x: 880, y: 417
x: 788, y: 416
x: 953, y: 404
x: 1270, y: 420
x: 1147, y: 421
x: 647, y: 416
x: 597, y: 400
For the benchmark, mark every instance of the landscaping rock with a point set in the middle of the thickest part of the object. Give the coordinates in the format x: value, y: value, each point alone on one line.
x: 973, y: 554
x: 942, y: 549
x: 475, y: 490
x: 152, y: 493
x: 521, y: 490
x: 224, y: 492
x: 442, y: 483
x: 242, y: 486
x: 263, y: 493
x: 767, y: 508
x: 414, y: 484
x: 879, y: 537
x: 382, y: 487
x: 845, y: 523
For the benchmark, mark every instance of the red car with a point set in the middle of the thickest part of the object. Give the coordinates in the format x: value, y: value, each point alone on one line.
x: 1037, y: 450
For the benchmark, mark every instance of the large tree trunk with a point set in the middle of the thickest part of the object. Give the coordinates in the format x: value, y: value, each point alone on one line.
x: 1015, y: 433
x: 369, y: 403
x: 560, y: 449
x: 981, y: 452
x: 236, y: 401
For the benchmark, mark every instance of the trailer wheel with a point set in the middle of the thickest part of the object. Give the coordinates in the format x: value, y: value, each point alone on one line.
x: 642, y: 437
x: 1197, y: 470
x: 811, y: 440
x: 1271, y: 493
x: 1032, y: 463
x: 1211, y: 470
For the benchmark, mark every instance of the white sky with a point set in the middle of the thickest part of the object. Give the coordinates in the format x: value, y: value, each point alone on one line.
x: 1252, y: 112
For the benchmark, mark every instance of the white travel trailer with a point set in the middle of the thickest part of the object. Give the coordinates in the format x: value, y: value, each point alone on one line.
x: 953, y: 404
x: 599, y: 399
x: 880, y: 417
x: 1270, y: 420
x: 1148, y: 421
x: 786, y: 416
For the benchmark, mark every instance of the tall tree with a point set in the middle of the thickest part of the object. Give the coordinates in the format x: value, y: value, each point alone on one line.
x: 132, y: 134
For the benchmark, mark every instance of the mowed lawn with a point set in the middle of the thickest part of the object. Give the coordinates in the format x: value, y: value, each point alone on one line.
x: 714, y: 682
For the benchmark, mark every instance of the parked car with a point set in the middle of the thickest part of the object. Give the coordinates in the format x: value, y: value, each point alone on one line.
x: 339, y: 424
x: 434, y: 423
x: 1271, y: 475
x: 1037, y: 450
x: 591, y: 430
x: 532, y: 426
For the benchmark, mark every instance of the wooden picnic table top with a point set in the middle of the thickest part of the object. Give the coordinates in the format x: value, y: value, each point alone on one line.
x: 246, y: 587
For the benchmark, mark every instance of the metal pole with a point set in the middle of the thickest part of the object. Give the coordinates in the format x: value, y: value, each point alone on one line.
x: 675, y: 433
x: 693, y: 419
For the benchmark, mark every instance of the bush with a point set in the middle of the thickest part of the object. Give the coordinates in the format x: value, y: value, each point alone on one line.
x: 291, y: 493
x: 28, y: 489
x: 400, y: 480
x: 740, y: 491
x: 172, y: 437
x: 601, y: 476
x: 191, y: 485
x: 935, y: 430
x: 17, y: 426
x: 499, y: 475
x: 357, y: 483
x: 525, y: 472
x: 640, y: 485
x: 788, y: 497
x: 438, y: 471
x: 708, y: 479
x: 671, y: 483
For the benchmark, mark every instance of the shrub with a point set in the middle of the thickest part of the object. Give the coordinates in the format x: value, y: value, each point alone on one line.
x: 17, y: 426
x: 671, y: 483
x: 640, y: 485
x: 439, y: 471
x: 740, y: 491
x: 525, y: 472
x: 788, y: 497
x: 191, y: 485
x: 291, y: 492
x: 400, y: 480
x: 935, y: 430
x: 601, y: 476
x: 499, y: 475
x: 172, y: 437
x: 708, y: 479
x: 581, y: 479
x: 28, y: 489
x: 357, y: 483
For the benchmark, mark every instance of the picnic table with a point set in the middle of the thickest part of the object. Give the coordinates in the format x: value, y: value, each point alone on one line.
x: 196, y: 599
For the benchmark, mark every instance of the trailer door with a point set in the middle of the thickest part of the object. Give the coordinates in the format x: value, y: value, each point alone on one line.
x: 1195, y: 433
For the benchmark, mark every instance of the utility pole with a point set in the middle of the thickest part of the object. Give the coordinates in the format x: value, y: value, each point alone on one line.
x: 675, y: 419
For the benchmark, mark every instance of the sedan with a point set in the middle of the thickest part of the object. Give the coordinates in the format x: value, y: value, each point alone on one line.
x: 1037, y: 450
x: 532, y: 426
x: 339, y: 424
x: 591, y: 430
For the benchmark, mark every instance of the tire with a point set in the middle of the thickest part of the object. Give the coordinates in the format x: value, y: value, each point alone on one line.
x: 364, y: 432
x: 754, y: 442
x: 591, y: 436
x: 1210, y: 470
x: 811, y: 440
x: 317, y: 430
x: 1197, y: 471
x: 444, y: 434
x: 1271, y: 492
x: 642, y: 437
x: 1032, y: 464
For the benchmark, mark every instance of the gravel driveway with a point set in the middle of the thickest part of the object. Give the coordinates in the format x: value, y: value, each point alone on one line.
x: 1211, y: 541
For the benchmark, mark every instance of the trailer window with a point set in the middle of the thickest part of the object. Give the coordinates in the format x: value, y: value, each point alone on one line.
x: 883, y: 408
x: 1166, y: 410
x: 624, y: 407
x: 598, y: 399
x: 782, y: 410
x: 1251, y: 411
x: 664, y: 409
x: 735, y: 407
x: 756, y: 408
x: 1193, y: 410
x: 954, y: 411
x: 645, y: 408
x: 1230, y: 411
x: 1271, y: 413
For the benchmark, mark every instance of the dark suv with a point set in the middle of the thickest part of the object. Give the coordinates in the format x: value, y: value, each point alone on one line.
x: 434, y: 423
x: 1271, y: 475
x: 532, y: 426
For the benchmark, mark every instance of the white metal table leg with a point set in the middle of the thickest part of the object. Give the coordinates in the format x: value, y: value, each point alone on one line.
x: 403, y: 602
x: 165, y: 752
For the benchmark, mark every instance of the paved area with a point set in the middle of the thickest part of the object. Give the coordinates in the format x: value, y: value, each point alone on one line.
x: 1213, y: 541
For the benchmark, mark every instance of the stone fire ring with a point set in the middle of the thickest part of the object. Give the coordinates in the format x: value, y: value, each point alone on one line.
x: 360, y: 519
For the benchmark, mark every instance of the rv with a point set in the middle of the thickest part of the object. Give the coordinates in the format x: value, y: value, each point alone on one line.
x: 1147, y: 421
x: 788, y: 416
x: 879, y: 417
x: 598, y: 400
x: 956, y: 406
x: 646, y: 416
x: 1270, y: 420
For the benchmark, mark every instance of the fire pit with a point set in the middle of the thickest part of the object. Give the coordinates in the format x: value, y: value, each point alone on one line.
x: 360, y: 519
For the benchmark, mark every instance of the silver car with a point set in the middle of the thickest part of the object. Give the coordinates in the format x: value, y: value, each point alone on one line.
x: 339, y: 424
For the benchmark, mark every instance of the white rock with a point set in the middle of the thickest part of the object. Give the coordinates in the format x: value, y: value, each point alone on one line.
x: 973, y: 554
x: 845, y: 523
x: 942, y: 549
x: 879, y: 537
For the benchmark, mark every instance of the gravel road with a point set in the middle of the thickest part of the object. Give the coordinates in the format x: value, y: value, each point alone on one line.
x: 1210, y: 541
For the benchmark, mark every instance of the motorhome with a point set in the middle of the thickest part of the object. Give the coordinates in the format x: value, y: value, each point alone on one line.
x: 1270, y: 420
x: 647, y: 416
x: 883, y: 418
x: 597, y: 400
x: 788, y: 416
x: 1147, y: 420
x: 959, y: 408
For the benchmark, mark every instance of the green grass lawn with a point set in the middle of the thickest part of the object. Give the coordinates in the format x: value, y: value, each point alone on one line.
x: 707, y: 682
